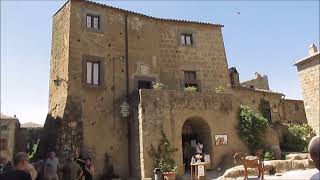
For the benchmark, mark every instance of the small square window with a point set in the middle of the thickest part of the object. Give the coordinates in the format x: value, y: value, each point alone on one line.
x: 186, y: 39
x: 93, y: 22
x: 93, y: 73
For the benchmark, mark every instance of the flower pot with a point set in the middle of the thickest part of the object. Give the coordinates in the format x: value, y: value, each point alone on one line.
x: 169, y: 175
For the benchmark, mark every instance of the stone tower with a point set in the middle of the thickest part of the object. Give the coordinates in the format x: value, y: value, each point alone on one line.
x: 308, y: 71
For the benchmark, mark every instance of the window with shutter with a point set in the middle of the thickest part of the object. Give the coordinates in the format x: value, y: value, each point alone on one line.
x: 186, y: 39
x: 190, y: 79
x: 93, y: 73
x: 93, y: 22
x: 88, y: 21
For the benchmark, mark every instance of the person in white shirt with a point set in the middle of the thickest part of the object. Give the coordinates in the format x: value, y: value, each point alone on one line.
x: 199, y: 147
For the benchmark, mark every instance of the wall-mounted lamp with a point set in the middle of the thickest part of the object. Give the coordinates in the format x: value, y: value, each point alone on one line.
x: 58, y: 81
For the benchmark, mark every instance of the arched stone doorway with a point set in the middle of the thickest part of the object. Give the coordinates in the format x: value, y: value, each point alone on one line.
x: 195, y: 130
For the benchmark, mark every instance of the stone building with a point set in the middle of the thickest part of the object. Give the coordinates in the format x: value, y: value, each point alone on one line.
x: 309, y: 76
x: 9, y: 127
x: 28, y: 137
x: 104, y: 58
x: 260, y: 82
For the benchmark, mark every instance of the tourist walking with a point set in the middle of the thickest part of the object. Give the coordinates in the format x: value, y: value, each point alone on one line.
x: 21, y: 169
x: 88, y: 169
x: 71, y: 170
x: 51, y: 167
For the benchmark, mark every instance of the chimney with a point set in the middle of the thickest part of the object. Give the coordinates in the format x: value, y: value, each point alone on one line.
x: 312, y: 49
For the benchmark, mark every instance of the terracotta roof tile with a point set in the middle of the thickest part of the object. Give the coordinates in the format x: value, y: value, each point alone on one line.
x: 156, y: 18
x: 256, y: 89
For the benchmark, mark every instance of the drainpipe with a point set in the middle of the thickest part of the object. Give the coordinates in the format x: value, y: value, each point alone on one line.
x: 127, y: 93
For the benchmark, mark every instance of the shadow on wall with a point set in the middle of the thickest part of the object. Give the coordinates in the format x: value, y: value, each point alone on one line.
x: 49, y: 136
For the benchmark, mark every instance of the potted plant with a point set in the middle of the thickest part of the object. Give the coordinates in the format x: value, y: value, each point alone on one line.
x: 158, y: 86
x: 163, y: 158
x: 219, y: 89
x: 191, y: 89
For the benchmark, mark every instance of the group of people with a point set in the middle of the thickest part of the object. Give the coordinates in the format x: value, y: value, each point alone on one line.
x: 74, y: 168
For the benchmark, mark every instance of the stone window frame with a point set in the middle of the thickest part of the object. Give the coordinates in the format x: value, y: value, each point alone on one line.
x: 94, y: 59
x: 92, y: 13
x: 138, y: 78
x: 187, y: 31
x: 196, y: 81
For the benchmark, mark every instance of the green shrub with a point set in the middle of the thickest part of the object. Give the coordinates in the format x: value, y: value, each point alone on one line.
x: 268, y: 156
x: 297, y: 137
x: 163, y: 155
x: 251, y: 126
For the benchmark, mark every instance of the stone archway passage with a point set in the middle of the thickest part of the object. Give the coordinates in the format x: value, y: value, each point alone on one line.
x: 194, y: 130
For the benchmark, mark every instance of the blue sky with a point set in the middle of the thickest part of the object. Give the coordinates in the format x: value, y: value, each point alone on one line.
x: 266, y: 37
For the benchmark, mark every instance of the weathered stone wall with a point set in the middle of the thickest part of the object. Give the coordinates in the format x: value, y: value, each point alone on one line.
x: 57, y: 93
x: 309, y: 75
x: 259, y: 82
x: 59, y: 61
x: 170, y: 110
x: 293, y: 111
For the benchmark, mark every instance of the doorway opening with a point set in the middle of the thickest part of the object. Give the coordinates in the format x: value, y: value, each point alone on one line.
x: 142, y: 84
x: 195, y: 130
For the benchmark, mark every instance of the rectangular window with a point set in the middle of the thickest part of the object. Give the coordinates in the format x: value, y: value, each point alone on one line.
x: 93, y: 73
x: 93, y: 22
x: 3, y: 128
x: 186, y: 39
x: 4, y: 144
x: 190, y: 79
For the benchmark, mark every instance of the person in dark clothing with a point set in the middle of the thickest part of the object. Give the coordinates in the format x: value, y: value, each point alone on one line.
x: 71, y: 170
x: 78, y: 159
x: 20, y: 171
x: 8, y: 167
x: 88, y: 169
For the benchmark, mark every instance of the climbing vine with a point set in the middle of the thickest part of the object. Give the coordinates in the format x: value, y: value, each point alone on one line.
x: 251, y: 126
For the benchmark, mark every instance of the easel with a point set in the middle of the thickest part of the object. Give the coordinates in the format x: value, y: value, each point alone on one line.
x: 198, y: 171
